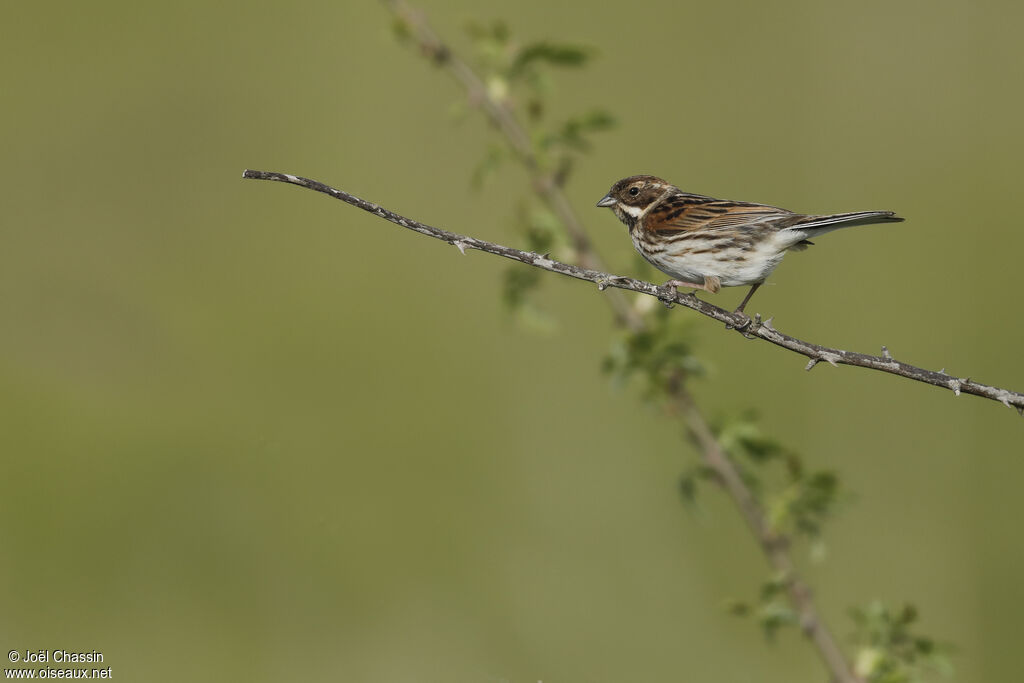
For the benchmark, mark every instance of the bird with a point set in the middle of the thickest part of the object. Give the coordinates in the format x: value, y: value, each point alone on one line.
x: 706, y: 243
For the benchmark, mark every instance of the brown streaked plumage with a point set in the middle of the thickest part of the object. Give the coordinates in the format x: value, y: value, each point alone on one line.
x: 707, y: 243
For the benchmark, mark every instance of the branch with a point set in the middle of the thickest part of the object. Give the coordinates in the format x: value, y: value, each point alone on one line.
x: 502, y: 116
x: 752, y: 329
x: 774, y: 546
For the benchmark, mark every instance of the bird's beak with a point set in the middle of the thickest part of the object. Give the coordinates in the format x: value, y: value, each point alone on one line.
x: 607, y: 200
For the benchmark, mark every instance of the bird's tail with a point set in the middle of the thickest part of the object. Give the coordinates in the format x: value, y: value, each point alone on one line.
x: 818, y: 225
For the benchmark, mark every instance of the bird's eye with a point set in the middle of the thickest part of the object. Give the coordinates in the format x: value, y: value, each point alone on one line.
x: 634, y: 191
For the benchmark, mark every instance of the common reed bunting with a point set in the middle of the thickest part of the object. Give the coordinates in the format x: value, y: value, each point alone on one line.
x: 708, y: 243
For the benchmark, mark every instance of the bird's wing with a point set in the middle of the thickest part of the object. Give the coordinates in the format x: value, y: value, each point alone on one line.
x: 684, y: 213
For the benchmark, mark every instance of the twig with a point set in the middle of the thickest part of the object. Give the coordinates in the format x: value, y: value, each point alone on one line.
x: 774, y: 546
x: 743, y: 324
x: 502, y: 116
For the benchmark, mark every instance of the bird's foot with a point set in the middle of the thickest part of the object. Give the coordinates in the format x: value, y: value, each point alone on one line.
x: 667, y: 293
x: 744, y: 323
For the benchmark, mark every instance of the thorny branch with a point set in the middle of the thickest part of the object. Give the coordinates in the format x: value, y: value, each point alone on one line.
x: 773, y: 545
x: 752, y: 329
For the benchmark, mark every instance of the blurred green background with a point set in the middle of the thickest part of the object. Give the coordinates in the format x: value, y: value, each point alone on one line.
x: 252, y: 434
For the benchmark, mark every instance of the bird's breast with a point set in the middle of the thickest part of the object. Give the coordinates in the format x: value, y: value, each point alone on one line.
x: 734, y: 259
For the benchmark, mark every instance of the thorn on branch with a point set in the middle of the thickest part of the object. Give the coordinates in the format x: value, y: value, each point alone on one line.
x: 954, y: 384
x: 830, y: 357
x: 460, y: 245
x: 885, y: 353
x: 768, y: 324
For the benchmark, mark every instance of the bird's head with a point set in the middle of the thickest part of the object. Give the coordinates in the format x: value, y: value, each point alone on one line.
x: 631, y: 196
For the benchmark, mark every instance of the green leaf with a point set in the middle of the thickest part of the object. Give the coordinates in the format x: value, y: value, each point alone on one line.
x: 497, y: 31
x: 519, y: 282
x: 741, y: 437
x: 688, y: 487
x: 660, y: 355
x: 559, y: 54
x: 889, y: 652
x: 774, y: 587
x: 573, y: 133
x: 542, y: 228
x: 400, y: 29
x: 690, y: 479
x: 773, y: 616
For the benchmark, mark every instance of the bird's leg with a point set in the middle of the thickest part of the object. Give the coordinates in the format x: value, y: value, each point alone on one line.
x: 710, y: 284
x: 739, y: 310
x: 743, y: 304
